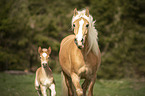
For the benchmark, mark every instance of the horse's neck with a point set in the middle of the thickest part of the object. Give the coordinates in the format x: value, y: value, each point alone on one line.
x: 46, y: 71
x: 86, y: 48
x: 85, y: 51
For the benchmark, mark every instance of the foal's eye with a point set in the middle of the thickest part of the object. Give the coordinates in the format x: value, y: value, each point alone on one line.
x: 87, y: 25
x: 73, y: 25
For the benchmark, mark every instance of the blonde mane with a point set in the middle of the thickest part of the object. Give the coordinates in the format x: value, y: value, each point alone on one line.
x: 92, y: 34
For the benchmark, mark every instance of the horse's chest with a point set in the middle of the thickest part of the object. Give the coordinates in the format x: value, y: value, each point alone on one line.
x: 46, y: 81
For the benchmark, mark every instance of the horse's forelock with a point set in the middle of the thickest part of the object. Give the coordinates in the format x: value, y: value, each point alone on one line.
x: 81, y: 14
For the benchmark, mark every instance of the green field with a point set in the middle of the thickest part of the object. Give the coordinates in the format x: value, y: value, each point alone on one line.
x: 23, y: 85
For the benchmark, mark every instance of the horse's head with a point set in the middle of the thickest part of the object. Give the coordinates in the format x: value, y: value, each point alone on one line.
x: 80, y: 24
x: 44, y: 56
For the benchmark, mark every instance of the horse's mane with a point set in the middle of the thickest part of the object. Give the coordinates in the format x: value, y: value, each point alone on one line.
x: 92, y: 34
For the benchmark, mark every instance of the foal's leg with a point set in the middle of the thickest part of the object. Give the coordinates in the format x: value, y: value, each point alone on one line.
x: 76, y: 82
x: 43, y: 90
x: 90, y: 90
x: 52, y: 88
x: 38, y: 90
x: 37, y: 87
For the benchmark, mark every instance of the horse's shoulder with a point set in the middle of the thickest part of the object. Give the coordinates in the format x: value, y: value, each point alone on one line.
x: 67, y: 38
x: 38, y: 70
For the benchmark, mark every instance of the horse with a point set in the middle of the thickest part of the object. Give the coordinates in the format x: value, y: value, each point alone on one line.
x: 44, y: 77
x: 80, y: 56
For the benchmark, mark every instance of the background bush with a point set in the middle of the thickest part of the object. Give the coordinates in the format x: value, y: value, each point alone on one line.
x: 27, y: 24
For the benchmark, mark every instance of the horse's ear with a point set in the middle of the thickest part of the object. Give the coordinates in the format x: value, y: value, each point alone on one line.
x: 39, y: 49
x: 87, y: 12
x: 49, y: 50
x: 75, y: 12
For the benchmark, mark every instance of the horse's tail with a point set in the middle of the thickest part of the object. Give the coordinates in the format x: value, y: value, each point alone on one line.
x: 63, y: 84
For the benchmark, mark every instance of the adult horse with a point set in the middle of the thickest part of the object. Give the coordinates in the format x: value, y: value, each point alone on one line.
x: 79, y: 55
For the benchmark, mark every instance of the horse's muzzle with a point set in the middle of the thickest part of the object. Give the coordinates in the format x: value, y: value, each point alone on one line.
x: 80, y: 44
x: 44, y: 65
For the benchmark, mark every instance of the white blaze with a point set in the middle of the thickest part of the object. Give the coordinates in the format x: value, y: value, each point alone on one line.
x: 44, y: 60
x: 79, y: 36
x: 44, y: 54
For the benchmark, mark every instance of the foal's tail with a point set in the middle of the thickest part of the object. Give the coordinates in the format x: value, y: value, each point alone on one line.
x: 63, y: 84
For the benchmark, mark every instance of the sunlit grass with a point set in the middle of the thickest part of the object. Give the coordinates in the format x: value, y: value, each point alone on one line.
x: 23, y: 85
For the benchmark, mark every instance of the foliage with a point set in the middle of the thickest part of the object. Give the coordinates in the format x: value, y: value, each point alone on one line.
x: 121, y: 37
x: 27, y: 24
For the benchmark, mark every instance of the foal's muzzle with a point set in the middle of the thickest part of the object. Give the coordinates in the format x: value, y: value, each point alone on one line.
x: 44, y: 65
x: 80, y: 44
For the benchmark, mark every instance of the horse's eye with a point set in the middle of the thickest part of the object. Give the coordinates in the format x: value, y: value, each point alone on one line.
x: 87, y: 25
x: 73, y: 25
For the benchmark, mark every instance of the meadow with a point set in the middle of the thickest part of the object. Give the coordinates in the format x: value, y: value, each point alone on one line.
x: 23, y: 85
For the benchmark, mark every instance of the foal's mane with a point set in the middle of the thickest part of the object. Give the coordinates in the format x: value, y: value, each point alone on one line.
x: 92, y: 34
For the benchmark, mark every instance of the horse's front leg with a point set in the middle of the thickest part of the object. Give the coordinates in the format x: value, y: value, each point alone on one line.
x: 90, y: 90
x: 76, y: 82
x: 37, y: 87
x: 43, y: 90
x: 68, y: 83
x: 52, y: 89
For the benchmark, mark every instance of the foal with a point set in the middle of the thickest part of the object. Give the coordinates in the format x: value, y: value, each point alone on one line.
x: 44, y: 78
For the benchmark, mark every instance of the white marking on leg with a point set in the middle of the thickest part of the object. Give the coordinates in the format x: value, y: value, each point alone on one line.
x: 52, y: 88
x: 36, y: 84
x: 79, y: 91
x: 43, y: 90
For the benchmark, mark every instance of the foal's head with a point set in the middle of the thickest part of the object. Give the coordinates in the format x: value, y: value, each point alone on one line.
x: 80, y: 24
x: 44, y: 56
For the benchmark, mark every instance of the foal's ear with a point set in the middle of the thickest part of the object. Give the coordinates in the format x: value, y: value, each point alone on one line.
x: 39, y: 49
x: 75, y: 12
x: 49, y: 50
x: 87, y: 12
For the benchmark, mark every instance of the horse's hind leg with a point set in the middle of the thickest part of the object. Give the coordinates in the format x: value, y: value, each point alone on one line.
x: 85, y: 86
x: 76, y: 82
x: 90, y: 90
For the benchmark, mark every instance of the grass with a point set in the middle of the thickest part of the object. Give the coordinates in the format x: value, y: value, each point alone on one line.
x: 23, y: 85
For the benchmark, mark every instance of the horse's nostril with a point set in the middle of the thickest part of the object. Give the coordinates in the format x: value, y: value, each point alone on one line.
x: 82, y: 40
x: 79, y: 47
x: 75, y: 39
